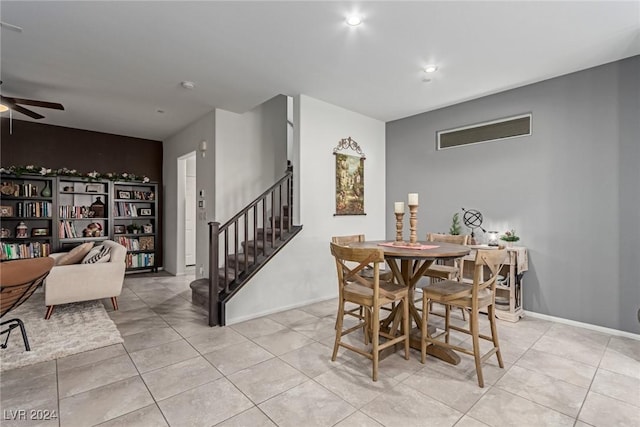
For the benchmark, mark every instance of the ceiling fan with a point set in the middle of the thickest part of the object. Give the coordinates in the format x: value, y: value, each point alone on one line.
x: 15, y: 104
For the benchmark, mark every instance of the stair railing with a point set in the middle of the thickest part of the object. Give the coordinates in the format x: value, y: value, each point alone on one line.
x: 249, y: 220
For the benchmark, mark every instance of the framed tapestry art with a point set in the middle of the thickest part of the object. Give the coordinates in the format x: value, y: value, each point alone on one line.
x: 349, y: 179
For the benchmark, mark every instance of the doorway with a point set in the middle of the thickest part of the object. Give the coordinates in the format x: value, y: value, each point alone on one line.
x: 186, y: 218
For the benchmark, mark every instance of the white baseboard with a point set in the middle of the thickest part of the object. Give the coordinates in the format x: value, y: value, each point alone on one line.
x: 278, y: 309
x: 596, y: 328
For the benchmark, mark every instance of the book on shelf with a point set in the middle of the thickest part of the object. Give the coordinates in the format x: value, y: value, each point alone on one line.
x: 10, y: 251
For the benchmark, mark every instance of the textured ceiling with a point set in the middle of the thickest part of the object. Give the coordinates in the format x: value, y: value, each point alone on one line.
x: 114, y: 64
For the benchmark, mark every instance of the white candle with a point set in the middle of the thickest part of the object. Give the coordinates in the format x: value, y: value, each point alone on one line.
x: 413, y: 199
x: 398, y: 207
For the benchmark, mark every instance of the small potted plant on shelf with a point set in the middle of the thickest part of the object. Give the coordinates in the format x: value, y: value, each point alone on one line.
x: 455, y: 225
x: 510, y: 237
x: 133, y: 228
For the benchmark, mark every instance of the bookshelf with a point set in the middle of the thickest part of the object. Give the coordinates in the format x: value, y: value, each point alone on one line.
x: 82, y: 211
x: 136, y: 223
x: 26, y: 216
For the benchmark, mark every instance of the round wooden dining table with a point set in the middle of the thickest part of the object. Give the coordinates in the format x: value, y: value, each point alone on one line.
x: 408, y: 264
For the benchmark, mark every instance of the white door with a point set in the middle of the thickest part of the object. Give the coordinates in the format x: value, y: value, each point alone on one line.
x: 190, y: 213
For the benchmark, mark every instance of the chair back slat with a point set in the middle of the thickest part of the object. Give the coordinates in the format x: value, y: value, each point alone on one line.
x: 493, y: 260
x: 19, y: 279
x: 460, y: 239
x: 345, y: 240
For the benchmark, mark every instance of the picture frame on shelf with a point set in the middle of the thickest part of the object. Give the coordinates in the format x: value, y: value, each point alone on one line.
x: 93, y: 188
x: 145, y: 212
x: 124, y: 194
x: 6, y: 211
x: 39, y: 232
x: 146, y: 243
x: 119, y: 229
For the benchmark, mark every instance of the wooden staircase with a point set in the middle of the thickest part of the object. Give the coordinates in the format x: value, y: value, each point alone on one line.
x: 243, y: 245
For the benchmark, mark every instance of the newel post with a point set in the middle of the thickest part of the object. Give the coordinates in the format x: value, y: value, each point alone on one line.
x: 213, y: 274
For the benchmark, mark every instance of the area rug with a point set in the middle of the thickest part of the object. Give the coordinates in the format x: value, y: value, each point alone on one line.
x: 73, y: 328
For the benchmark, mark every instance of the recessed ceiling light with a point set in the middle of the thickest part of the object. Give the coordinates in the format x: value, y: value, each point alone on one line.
x: 430, y: 68
x: 187, y: 84
x: 160, y: 111
x: 354, y: 20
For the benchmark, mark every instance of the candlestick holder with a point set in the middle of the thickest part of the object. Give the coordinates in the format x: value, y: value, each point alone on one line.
x: 413, y: 225
x: 399, y: 241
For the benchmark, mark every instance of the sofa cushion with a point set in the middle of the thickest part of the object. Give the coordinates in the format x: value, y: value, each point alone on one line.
x: 97, y: 255
x: 75, y: 255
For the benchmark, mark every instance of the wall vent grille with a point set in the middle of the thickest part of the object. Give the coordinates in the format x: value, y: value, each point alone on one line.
x: 494, y: 130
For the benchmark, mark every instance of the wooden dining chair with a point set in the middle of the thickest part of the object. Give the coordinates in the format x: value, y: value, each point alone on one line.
x: 387, y: 275
x: 446, y: 270
x: 472, y: 297
x: 18, y: 281
x: 370, y: 293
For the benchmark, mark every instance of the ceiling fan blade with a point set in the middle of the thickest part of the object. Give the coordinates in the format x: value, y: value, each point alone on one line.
x: 43, y: 104
x: 15, y: 107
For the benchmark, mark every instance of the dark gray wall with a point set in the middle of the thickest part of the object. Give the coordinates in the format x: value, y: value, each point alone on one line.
x: 571, y: 189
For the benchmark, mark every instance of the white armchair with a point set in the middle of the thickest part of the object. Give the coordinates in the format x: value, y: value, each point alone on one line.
x: 84, y: 282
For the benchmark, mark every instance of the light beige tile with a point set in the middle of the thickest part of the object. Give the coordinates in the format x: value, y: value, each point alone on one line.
x: 162, y: 355
x: 599, y: 410
x: 258, y: 327
x: 466, y: 369
x: 403, y: 406
x: 174, y: 379
x: 253, y: 417
x: 267, y: 379
x: 578, y: 348
x: 104, y: 403
x: 354, y: 385
x: 38, y: 393
x: 312, y: 359
x: 121, y: 316
x: 548, y: 391
x: 89, y: 357
x: 150, y: 338
x: 317, y: 329
x: 458, y: 393
x: 618, y: 386
x: 622, y: 356
x: 149, y: 416
x: 86, y: 377
x: 467, y: 421
x: 501, y: 408
x: 358, y: 419
x: 26, y: 373
x: 236, y: 357
x: 558, y: 367
x: 397, y: 367
x: 188, y: 328
x: 282, y: 342
x: 293, y: 318
x: 327, y: 308
x: 308, y: 404
x: 215, y: 338
x: 205, y: 405
x: 142, y: 325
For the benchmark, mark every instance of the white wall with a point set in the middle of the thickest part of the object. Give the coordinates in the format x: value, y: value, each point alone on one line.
x: 251, y: 153
x: 184, y: 142
x: 304, y: 271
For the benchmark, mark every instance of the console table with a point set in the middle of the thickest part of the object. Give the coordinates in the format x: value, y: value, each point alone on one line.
x: 509, y: 289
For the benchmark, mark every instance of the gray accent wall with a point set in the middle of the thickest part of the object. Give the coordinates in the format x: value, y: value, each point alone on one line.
x: 571, y: 189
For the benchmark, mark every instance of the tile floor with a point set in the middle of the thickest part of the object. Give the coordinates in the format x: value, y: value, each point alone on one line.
x: 174, y: 370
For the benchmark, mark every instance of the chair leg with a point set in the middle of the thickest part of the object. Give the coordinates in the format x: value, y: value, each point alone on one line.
x: 473, y: 318
x: 366, y: 329
x: 424, y: 328
x: 12, y: 324
x: 49, y: 312
x: 406, y: 326
x: 375, y: 326
x: 114, y: 302
x: 494, y: 334
x: 339, y: 321
x: 447, y: 322
x: 464, y: 316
